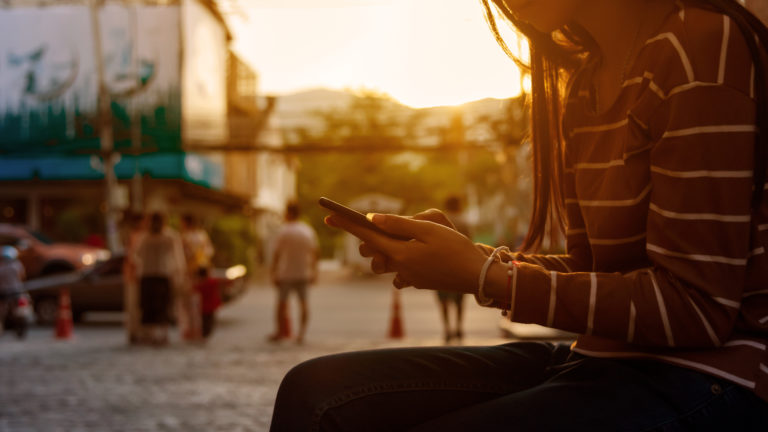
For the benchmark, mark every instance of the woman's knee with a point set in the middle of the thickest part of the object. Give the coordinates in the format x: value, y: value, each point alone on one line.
x: 303, y: 379
x: 295, y: 402
x: 307, y: 388
x: 312, y: 382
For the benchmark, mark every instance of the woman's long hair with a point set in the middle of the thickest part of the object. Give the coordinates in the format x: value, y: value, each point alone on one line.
x: 553, y: 60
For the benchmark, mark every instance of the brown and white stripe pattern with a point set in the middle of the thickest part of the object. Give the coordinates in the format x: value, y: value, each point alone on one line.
x: 664, y: 251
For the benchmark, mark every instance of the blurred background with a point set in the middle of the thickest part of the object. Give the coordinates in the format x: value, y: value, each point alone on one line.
x: 228, y: 110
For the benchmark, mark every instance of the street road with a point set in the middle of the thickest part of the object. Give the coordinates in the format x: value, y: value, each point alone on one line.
x: 96, y: 382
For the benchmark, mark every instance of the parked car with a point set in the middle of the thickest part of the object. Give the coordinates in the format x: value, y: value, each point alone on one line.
x: 100, y: 288
x: 41, y: 256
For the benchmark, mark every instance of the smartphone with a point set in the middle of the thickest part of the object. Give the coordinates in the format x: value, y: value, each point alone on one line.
x: 354, y: 216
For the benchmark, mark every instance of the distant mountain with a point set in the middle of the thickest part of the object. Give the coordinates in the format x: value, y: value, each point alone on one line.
x: 295, y: 110
x: 483, y: 107
x: 314, y: 99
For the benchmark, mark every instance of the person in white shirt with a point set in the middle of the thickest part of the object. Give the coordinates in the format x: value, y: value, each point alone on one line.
x: 294, y: 266
x: 161, y: 270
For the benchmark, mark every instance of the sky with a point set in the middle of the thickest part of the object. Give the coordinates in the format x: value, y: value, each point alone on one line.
x: 421, y: 52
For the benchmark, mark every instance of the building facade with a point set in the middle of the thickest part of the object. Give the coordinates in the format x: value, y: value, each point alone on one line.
x: 176, y: 94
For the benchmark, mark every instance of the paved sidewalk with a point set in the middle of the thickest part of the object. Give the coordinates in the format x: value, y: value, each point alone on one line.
x: 96, y: 382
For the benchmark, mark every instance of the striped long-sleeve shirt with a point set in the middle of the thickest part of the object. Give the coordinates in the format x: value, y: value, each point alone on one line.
x: 665, y: 258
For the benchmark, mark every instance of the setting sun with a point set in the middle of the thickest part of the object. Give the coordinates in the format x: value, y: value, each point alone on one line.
x: 424, y: 53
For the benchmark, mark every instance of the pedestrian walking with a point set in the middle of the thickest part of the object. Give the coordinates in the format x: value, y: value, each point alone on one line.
x: 161, y: 270
x: 293, y: 268
x: 653, y: 162
x: 209, y: 292
x: 453, y: 299
x: 198, y: 251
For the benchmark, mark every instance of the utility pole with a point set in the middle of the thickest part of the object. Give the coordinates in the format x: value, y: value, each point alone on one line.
x: 105, y: 132
x: 137, y: 192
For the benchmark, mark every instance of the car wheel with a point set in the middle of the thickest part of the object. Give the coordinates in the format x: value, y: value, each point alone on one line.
x: 47, y: 310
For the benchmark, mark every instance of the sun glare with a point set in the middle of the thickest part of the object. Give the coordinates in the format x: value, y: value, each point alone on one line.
x: 423, y: 53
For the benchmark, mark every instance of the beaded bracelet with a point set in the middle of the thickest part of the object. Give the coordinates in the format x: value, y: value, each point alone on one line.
x: 480, y: 297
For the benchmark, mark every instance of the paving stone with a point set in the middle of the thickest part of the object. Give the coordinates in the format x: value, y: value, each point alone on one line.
x: 95, y: 382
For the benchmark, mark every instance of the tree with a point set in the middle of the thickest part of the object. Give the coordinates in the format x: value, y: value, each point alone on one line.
x: 504, y: 173
x: 374, y: 122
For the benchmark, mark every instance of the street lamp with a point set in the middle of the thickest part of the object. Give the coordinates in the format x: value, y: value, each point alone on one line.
x: 105, y: 132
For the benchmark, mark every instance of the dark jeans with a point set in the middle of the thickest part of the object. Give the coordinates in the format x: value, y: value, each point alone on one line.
x: 526, y: 386
x: 155, y: 299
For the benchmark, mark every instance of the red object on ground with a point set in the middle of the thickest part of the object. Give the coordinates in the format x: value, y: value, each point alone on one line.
x: 64, y: 317
x: 396, y: 330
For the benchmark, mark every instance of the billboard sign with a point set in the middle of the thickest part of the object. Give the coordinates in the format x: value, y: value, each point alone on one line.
x: 49, y: 85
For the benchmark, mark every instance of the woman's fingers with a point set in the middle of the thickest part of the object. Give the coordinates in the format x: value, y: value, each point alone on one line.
x: 399, y: 282
x: 436, y: 216
x: 379, y: 261
x: 376, y: 240
x: 379, y: 264
x: 435, y: 257
x: 366, y: 250
x: 402, y: 226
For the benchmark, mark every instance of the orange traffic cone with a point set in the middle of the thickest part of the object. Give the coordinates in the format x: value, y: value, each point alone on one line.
x: 396, y: 330
x: 64, y: 317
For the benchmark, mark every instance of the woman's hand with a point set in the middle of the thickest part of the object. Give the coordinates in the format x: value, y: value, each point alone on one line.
x: 436, y: 216
x: 437, y: 257
x: 379, y: 263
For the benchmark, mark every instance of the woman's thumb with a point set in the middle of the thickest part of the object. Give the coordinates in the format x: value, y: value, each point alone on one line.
x: 400, y: 226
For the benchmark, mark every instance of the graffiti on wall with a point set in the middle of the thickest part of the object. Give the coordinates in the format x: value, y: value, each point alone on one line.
x: 49, y: 81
